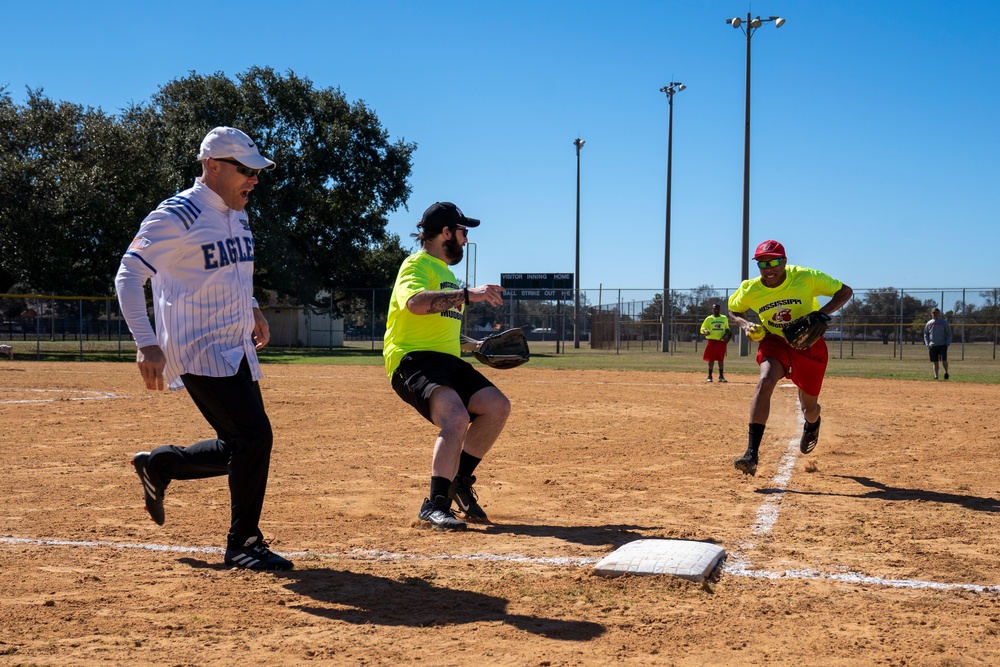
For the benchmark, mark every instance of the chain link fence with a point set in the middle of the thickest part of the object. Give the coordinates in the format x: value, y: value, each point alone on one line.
x: 885, y: 322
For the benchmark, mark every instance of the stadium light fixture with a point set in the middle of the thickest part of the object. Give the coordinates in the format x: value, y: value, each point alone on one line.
x: 666, y: 315
x: 752, y: 24
x: 578, y: 142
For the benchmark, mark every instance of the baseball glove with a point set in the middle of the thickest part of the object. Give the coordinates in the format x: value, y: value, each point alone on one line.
x: 727, y: 336
x: 506, y: 349
x: 803, y: 332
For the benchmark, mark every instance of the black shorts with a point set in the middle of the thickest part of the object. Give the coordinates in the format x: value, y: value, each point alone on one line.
x: 938, y: 352
x: 420, y: 373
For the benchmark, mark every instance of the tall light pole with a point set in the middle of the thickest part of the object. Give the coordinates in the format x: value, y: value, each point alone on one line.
x: 578, y: 142
x: 751, y: 27
x: 674, y: 87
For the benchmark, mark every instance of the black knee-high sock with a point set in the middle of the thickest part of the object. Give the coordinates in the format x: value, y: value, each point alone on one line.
x: 467, y: 464
x: 439, y: 487
x: 756, y: 434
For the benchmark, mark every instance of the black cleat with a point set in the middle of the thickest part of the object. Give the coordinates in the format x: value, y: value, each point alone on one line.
x: 722, y: 379
x: 255, y: 555
x: 440, y: 515
x: 465, y: 498
x: 809, y: 438
x: 152, y: 491
x: 747, y: 464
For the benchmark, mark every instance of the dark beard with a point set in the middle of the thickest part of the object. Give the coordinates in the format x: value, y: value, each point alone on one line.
x: 453, y: 251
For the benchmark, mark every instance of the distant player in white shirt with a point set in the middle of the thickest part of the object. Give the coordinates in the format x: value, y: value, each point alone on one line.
x: 198, y: 251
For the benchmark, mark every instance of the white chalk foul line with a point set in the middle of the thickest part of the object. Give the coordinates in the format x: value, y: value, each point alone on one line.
x: 111, y: 545
x: 767, y: 515
x: 740, y: 570
x: 354, y: 554
x: 737, y: 564
x: 735, y: 569
x: 87, y: 395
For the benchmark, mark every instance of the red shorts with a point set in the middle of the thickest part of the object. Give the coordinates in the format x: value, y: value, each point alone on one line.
x: 715, y: 350
x: 805, y: 368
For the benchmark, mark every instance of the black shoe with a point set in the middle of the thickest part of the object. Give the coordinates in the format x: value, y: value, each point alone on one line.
x: 809, y: 438
x: 439, y: 514
x: 254, y: 555
x: 152, y: 491
x: 722, y: 379
x: 945, y: 376
x: 747, y: 464
x: 709, y: 379
x: 465, y: 498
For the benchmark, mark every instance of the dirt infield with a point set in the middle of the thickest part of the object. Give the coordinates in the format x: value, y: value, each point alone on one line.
x: 883, y: 547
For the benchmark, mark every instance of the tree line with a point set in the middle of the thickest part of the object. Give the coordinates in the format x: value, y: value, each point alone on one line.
x: 75, y: 182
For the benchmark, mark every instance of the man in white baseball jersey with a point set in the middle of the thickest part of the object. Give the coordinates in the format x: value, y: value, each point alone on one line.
x: 198, y: 251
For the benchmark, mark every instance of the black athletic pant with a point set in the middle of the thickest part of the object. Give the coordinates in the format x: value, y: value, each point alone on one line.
x: 235, y: 409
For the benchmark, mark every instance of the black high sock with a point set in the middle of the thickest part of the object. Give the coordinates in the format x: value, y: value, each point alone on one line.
x: 439, y: 487
x: 467, y: 464
x: 756, y: 434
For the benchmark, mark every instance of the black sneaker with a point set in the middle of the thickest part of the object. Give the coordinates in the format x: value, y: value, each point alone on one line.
x: 465, y: 498
x: 747, y: 464
x: 946, y: 376
x: 709, y: 379
x: 152, y: 491
x: 722, y: 379
x: 254, y: 555
x: 809, y: 438
x: 439, y: 514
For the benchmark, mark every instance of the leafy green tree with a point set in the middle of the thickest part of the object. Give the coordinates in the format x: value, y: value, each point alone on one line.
x: 687, y: 305
x: 319, y: 218
x: 654, y: 310
x: 989, y: 313
x: 879, y: 312
x: 75, y: 182
x: 67, y: 190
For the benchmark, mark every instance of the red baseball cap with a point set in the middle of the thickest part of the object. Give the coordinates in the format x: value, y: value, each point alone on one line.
x: 769, y: 248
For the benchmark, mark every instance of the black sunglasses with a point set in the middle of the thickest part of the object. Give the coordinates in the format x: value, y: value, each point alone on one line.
x: 246, y: 171
x: 464, y: 230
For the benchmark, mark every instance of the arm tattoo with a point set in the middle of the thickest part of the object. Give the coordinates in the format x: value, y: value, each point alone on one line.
x: 446, y: 301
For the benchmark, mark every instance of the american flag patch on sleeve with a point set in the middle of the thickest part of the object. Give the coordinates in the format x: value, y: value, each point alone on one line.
x: 139, y: 243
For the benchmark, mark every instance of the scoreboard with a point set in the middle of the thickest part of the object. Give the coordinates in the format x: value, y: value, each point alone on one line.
x: 538, y: 286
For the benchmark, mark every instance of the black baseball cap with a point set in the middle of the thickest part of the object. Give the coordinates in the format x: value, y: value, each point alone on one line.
x: 443, y: 214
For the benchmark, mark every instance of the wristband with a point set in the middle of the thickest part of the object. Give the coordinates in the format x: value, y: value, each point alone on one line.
x: 465, y: 291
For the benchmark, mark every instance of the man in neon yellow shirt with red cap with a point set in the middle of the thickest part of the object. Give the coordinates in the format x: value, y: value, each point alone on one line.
x: 780, y: 295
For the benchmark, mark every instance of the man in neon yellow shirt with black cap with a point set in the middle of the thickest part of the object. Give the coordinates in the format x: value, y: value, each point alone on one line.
x: 422, y: 350
x: 780, y: 295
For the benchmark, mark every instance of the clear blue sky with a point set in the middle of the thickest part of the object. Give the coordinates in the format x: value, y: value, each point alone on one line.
x: 874, y: 124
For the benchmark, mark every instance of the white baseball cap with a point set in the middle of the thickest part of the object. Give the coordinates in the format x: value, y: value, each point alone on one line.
x: 229, y: 142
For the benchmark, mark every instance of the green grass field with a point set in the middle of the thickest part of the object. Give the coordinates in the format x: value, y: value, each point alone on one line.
x: 971, y: 363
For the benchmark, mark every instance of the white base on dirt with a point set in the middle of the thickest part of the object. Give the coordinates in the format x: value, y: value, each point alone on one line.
x: 682, y: 558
